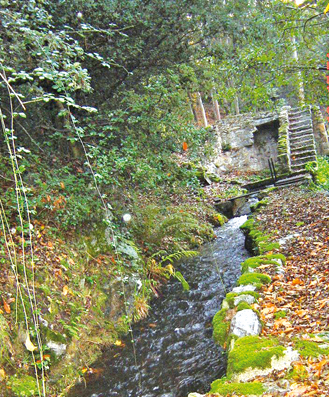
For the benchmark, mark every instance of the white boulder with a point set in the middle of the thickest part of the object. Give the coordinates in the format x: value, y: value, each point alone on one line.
x: 245, y: 323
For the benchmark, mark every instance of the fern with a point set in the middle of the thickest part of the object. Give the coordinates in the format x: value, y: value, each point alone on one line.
x: 176, y: 256
x: 181, y: 279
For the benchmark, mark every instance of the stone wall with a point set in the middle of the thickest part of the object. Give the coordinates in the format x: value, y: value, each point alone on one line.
x: 245, y: 142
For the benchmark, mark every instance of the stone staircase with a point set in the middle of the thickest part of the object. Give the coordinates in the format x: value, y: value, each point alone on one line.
x: 301, y: 139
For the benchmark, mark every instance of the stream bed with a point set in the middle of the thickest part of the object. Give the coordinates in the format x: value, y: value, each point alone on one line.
x: 173, y: 352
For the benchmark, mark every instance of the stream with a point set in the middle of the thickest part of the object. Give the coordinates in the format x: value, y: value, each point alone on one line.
x: 173, y: 352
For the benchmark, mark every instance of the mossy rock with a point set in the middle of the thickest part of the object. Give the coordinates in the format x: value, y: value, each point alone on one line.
x: 221, y: 386
x: 23, y: 386
x: 308, y: 348
x: 248, y: 225
x: 253, y: 352
x: 243, y: 306
x: 257, y: 279
x: 220, y: 327
x: 265, y: 246
x: 231, y: 295
x: 256, y: 241
x: 259, y: 204
x: 257, y: 261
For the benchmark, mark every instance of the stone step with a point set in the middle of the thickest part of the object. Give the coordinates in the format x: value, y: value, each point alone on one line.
x: 301, y: 140
x: 296, y: 169
x: 296, y: 120
x: 302, y: 160
x: 303, y: 153
x: 302, y: 148
x: 301, y: 127
x: 301, y: 177
x: 303, y: 113
x: 299, y: 110
x: 307, y: 131
x: 301, y: 133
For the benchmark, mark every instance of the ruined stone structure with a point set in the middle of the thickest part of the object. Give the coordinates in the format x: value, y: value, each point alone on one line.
x: 291, y: 138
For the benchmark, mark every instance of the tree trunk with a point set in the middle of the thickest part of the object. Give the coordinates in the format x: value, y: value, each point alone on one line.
x: 203, y: 112
x: 301, y: 92
x: 216, y: 107
x: 236, y: 105
x: 193, y: 111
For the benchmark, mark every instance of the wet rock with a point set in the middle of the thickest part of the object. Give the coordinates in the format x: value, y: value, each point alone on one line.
x: 244, y: 288
x: 58, y: 348
x: 244, y: 298
x: 245, y: 323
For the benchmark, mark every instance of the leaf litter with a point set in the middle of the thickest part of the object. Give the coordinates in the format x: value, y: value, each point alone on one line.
x: 294, y: 307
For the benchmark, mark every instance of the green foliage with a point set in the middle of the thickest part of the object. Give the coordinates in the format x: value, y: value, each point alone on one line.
x: 176, y: 228
x: 253, y: 352
x: 182, y: 280
x: 222, y: 387
x: 257, y: 279
x: 4, y: 340
x: 320, y: 172
x: 23, y: 386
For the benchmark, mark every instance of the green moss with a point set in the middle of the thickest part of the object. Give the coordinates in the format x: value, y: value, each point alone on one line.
x: 257, y: 261
x: 248, y: 225
x: 257, y: 279
x: 259, y: 204
x: 280, y: 314
x: 220, y: 386
x: 308, y: 348
x: 243, y: 306
x: 265, y: 246
x: 254, y: 352
x: 23, y: 386
x: 260, y: 243
x: 231, y: 295
x: 220, y: 327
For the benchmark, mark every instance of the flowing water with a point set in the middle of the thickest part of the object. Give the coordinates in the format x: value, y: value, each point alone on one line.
x: 174, y: 352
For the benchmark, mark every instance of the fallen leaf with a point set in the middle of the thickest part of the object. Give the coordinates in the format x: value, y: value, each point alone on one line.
x: 119, y: 343
x: 299, y: 391
x: 185, y: 146
x: 282, y: 322
x: 62, y: 185
x: 6, y: 306
x: 28, y: 344
x: 65, y: 290
x: 2, y: 374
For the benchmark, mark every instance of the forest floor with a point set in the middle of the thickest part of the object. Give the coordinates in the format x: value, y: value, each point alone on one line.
x: 294, y: 307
